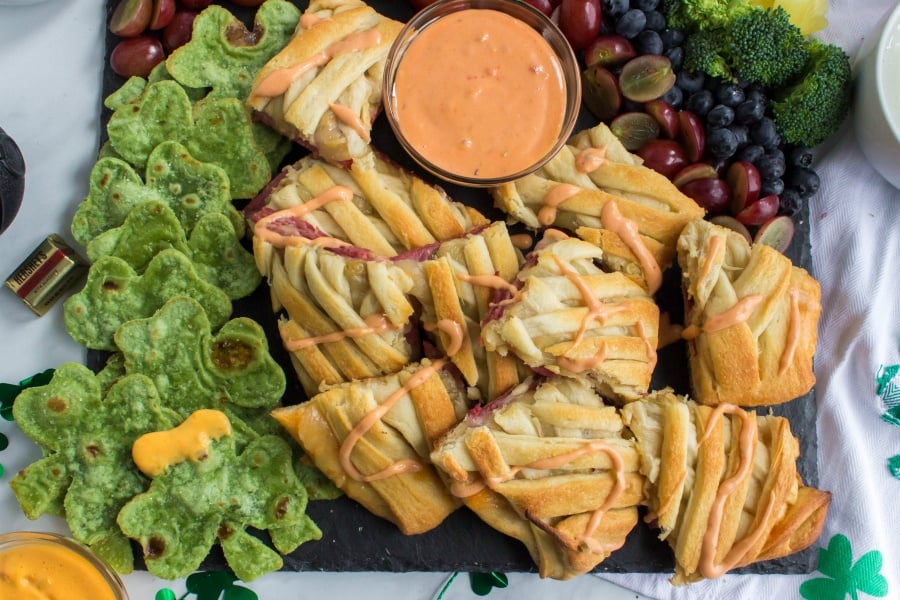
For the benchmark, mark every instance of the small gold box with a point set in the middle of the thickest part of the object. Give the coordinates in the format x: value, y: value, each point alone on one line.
x: 48, y: 272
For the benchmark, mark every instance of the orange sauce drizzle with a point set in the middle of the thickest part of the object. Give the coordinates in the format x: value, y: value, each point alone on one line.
x: 489, y: 281
x: 669, y: 332
x: 580, y: 365
x: 714, y: 244
x: 522, y: 241
x: 590, y: 159
x: 793, y: 333
x: 278, y: 81
x: 367, y: 422
x: 278, y: 240
x: 308, y: 20
x: 738, y: 313
x: 648, y: 347
x: 597, y: 311
x: 707, y: 566
x: 454, y: 331
x: 348, y: 117
x: 612, y: 219
x: 558, y: 194
x: 374, y: 324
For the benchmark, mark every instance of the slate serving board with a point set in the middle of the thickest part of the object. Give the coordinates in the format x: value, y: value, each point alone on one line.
x: 355, y: 540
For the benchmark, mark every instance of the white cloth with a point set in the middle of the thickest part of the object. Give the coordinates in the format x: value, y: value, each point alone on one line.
x: 855, y: 236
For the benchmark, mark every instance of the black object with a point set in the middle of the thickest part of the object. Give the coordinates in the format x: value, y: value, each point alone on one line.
x: 12, y: 179
x: 355, y: 540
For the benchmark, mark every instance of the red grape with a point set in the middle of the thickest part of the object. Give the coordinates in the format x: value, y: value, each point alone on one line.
x: 136, y: 56
x: 542, y: 5
x: 194, y: 4
x: 131, y: 17
x: 579, y: 20
x: 163, y: 11
x: 663, y: 156
x: 178, y: 32
x: 711, y: 194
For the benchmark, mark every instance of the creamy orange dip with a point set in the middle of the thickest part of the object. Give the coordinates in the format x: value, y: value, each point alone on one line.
x: 47, y: 571
x: 480, y: 94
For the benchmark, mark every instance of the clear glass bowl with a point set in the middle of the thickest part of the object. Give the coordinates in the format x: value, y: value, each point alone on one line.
x: 521, y: 11
x: 9, y: 542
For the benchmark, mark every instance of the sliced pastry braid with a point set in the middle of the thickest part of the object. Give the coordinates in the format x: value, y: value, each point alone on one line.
x: 381, y: 210
x: 723, y: 484
x: 547, y: 464
x: 372, y: 438
x: 456, y: 288
x: 345, y: 318
x: 324, y: 88
x: 751, y: 319
x: 596, y: 187
x: 570, y: 317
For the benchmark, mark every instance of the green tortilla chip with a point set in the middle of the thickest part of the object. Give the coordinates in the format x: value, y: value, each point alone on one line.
x: 217, y: 131
x: 115, y: 293
x: 87, y: 439
x: 223, y: 55
x: 194, y: 503
x: 193, y: 369
x: 127, y: 93
x: 214, y: 248
x: 187, y: 186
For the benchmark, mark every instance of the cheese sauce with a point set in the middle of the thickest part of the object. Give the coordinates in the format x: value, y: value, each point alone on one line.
x: 155, y: 452
x: 480, y: 94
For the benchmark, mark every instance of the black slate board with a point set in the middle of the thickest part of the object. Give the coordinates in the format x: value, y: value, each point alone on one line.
x: 355, y: 540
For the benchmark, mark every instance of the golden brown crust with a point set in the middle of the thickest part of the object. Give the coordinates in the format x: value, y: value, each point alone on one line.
x: 731, y: 460
x: 767, y: 358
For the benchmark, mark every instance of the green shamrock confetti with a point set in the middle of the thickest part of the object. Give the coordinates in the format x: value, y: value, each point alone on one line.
x: 889, y: 390
x: 894, y: 465
x: 9, y: 391
x: 843, y: 576
x: 884, y: 377
x: 87, y: 472
x: 165, y: 594
x: 212, y: 585
x: 483, y: 583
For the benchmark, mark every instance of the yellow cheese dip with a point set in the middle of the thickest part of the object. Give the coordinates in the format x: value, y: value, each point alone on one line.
x: 155, y: 452
x: 479, y: 93
x: 37, y: 566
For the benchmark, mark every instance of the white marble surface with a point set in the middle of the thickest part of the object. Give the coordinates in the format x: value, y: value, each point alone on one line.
x: 51, y: 57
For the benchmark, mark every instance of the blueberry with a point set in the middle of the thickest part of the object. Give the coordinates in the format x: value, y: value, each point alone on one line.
x: 771, y: 186
x: 770, y: 167
x: 631, y: 23
x: 751, y: 153
x: 720, y: 142
x: 804, y: 180
x: 700, y: 102
x: 791, y: 202
x: 615, y: 8
x: 765, y: 134
x: 800, y: 156
x: 720, y: 116
x: 675, y: 56
x: 655, y: 20
x: 741, y: 134
x: 648, y: 42
x: 672, y: 37
x: 690, y: 82
x: 777, y: 154
x: 730, y: 95
x: 754, y: 93
x: 674, y: 97
x: 749, y: 111
x: 646, y: 5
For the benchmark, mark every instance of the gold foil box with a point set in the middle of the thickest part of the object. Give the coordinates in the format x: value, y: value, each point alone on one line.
x: 48, y: 272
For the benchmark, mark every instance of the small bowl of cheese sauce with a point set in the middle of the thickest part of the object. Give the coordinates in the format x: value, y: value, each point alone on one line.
x: 481, y: 92
x: 42, y: 566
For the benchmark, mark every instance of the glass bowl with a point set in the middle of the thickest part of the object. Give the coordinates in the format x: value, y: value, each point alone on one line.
x: 86, y: 567
x: 563, y: 93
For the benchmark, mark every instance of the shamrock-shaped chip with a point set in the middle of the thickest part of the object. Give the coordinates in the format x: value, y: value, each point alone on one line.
x: 190, y: 188
x: 213, y: 247
x: 193, y: 369
x: 217, y: 131
x: 115, y: 293
x: 223, y: 55
x: 203, y: 491
x: 86, y: 439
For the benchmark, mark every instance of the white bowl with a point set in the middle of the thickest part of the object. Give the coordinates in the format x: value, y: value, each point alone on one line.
x: 877, y: 104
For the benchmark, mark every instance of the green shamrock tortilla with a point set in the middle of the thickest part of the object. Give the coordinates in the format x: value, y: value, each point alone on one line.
x: 214, y: 130
x: 115, y: 293
x: 213, y: 247
x: 194, y: 503
x: 194, y: 369
x: 223, y: 55
x: 86, y: 439
x: 174, y: 177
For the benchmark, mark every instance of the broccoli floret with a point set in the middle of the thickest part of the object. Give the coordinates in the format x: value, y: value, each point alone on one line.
x: 703, y: 53
x: 702, y: 14
x: 810, y: 110
x: 765, y: 48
